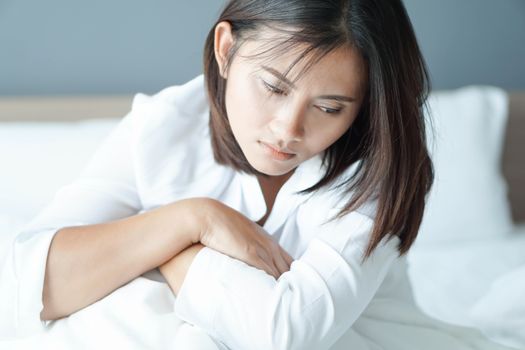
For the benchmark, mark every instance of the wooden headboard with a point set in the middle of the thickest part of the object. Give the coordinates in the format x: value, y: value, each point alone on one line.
x: 513, y: 162
x: 78, y: 108
x: 63, y: 108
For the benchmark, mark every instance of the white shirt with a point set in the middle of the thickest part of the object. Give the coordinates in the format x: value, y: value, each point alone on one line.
x: 160, y: 153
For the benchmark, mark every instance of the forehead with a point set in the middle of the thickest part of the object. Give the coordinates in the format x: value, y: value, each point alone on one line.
x: 342, y: 67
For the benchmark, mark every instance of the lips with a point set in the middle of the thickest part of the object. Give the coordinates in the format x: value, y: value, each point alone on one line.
x: 275, y: 153
x: 277, y: 149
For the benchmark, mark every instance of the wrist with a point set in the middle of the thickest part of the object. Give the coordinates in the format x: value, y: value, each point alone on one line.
x: 197, y: 212
x: 208, y: 208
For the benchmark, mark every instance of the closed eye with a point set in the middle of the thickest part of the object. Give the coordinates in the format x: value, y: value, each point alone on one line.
x: 329, y: 110
x: 280, y: 92
x: 273, y: 89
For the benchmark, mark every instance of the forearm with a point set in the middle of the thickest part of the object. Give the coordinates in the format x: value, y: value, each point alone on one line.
x: 86, y: 263
x: 175, y: 269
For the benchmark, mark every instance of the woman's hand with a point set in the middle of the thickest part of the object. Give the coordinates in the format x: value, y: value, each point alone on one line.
x: 230, y: 232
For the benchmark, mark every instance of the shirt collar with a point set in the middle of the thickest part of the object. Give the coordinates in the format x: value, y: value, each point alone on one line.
x: 307, y: 174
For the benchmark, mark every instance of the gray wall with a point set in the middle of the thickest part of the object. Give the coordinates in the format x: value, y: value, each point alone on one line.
x: 96, y: 47
x: 100, y: 46
x: 472, y: 41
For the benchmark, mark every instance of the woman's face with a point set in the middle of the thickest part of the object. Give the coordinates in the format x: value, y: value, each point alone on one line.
x: 299, y: 119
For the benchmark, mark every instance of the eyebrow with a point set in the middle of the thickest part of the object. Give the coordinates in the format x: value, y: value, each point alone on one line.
x: 281, y: 77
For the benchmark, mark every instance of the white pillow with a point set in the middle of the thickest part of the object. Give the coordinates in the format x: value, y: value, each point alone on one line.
x: 469, y: 198
x: 37, y: 158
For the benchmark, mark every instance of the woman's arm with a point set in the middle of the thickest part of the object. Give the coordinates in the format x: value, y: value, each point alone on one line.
x: 228, y: 231
x: 308, y: 307
x: 176, y: 268
x: 86, y: 263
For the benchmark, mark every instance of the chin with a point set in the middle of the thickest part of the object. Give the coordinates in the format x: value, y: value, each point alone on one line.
x: 271, y: 169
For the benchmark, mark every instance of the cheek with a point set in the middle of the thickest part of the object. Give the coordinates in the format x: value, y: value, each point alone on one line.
x: 325, y: 139
x: 245, y: 112
x: 260, y: 105
x: 247, y: 105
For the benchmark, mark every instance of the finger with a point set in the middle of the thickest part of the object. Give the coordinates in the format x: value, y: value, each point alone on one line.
x: 280, y: 263
x: 289, y: 260
x: 268, y: 259
x: 263, y: 264
x: 272, y: 270
x: 277, y: 259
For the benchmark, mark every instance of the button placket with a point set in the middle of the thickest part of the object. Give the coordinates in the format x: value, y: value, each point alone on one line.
x: 253, y: 197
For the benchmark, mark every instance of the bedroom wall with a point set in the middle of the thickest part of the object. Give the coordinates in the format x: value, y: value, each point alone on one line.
x: 61, y: 47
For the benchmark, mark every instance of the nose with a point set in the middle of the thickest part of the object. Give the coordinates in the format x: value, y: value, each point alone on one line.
x: 288, y: 125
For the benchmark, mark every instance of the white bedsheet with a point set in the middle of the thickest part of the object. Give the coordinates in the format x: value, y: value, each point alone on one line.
x: 480, y: 284
x: 138, y: 315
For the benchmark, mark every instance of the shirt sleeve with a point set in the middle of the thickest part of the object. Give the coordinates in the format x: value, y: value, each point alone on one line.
x: 105, y: 190
x: 308, y: 307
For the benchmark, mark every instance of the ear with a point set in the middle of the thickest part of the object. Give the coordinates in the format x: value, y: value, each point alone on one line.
x: 223, y: 42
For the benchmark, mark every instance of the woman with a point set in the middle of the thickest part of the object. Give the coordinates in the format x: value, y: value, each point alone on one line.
x: 280, y: 191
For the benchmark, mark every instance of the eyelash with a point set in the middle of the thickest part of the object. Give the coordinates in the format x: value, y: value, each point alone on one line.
x: 273, y: 89
x: 277, y: 91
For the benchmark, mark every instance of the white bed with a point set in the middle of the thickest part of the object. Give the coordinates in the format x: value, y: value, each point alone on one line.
x: 467, y: 267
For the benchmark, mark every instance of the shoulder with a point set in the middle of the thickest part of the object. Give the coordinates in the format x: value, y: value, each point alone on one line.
x: 183, y: 105
x: 172, y: 147
x: 173, y: 118
x: 333, y: 198
x: 346, y: 235
x: 187, y: 98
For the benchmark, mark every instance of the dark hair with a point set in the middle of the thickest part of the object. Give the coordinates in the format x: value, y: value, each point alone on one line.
x: 388, y: 135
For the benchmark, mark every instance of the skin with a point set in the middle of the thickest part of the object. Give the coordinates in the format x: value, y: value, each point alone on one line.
x: 263, y: 108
